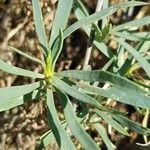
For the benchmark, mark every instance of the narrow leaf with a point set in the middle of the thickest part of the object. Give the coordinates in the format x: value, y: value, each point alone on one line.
x: 112, y: 122
x: 135, y: 23
x: 131, y: 36
x: 57, y: 47
x: 142, y: 61
x: 47, y: 137
x: 102, y: 76
x: 98, y: 16
x: 132, y: 125
x: 26, y: 55
x: 39, y: 25
x: 19, y: 71
x: 74, y: 92
x: 60, y: 134
x: 13, y: 102
x: 120, y: 89
x: 16, y: 91
x: 61, y: 18
x: 75, y: 127
x: 102, y: 132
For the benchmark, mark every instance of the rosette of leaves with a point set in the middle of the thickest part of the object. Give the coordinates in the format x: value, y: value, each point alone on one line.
x: 82, y: 85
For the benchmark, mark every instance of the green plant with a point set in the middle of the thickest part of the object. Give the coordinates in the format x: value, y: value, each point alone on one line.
x: 91, y: 97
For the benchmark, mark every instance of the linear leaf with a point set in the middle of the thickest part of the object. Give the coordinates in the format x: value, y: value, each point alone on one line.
x: 81, y: 12
x: 105, y: 20
x: 98, y: 16
x: 57, y: 47
x: 120, y: 89
x: 74, y: 92
x: 102, y: 76
x: 132, y: 36
x: 131, y: 125
x: 61, y: 18
x: 142, y: 61
x: 26, y: 55
x: 102, y: 132
x: 19, y: 71
x: 103, y: 48
x: 112, y: 122
x: 39, y: 25
x: 13, y: 102
x: 60, y: 134
x: 121, y: 94
x: 48, y: 136
x: 135, y: 23
x: 16, y: 91
x: 75, y: 127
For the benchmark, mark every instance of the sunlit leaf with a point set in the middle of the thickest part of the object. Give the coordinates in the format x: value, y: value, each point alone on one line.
x: 60, y: 134
x: 60, y: 19
x: 132, y: 125
x: 13, y: 102
x: 39, y: 25
x: 75, y: 127
x: 19, y: 71
x: 142, y: 61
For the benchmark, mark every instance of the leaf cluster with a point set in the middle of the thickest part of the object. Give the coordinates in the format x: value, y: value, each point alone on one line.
x: 83, y: 85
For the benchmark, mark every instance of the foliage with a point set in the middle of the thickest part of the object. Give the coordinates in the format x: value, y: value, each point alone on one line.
x: 80, y: 84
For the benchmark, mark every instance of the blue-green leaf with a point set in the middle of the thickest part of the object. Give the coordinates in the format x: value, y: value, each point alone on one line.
x: 16, y: 91
x: 112, y: 122
x: 39, y: 25
x: 19, y: 71
x: 74, y: 92
x: 142, y: 61
x: 102, y: 132
x: 60, y: 134
x: 75, y: 127
x: 131, y: 125
x: 13, y: 102
x: 135, y: 23
x: 60, y: 19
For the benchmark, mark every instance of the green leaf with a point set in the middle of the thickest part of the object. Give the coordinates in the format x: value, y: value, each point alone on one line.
x: 81, y: 12
x: 102, y: 132
x: 98, y: 16
x: 13, y: 102
x: 48, y: 136
x: 132, y: 36
x: 74, y: 92
x: 19, y: 71
x: 16, y: 91
x: 105, y: 20
x: 142, y: 61
x: 131, y: 125
x: 102, y: 76
x: 111, y: 122
x: 61, y: 18
x: 39, y: 25
x: 60, y: 134
x: 145, y: 45
x: 120, y: 89
x: 104, y: 49
x: 79, y: 9
x: 75, y: 127
x: 26, y: 55
x: 57, y: 47
x: 135, y: 23
x: 17, y: 95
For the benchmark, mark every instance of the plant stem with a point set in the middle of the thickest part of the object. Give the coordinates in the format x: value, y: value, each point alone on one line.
x: 89, y: 49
